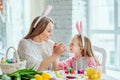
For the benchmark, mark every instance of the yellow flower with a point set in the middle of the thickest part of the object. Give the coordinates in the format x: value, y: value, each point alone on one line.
x: 38, y: 77
x: 46, y: 75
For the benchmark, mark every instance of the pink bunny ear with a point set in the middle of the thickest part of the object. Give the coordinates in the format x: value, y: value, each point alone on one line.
x: 45, y: 13
x: 81, y: 32
x: 81, y: 26
x: 77, y: 27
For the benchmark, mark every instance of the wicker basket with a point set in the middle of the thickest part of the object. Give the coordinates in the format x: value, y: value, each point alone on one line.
x: 9, y: 68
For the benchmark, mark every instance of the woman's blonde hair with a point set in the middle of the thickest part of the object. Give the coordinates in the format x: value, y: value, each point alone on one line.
x: 39, y: 28
x: 87, y: 48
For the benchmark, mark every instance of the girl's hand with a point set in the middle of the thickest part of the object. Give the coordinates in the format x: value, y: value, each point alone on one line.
x: 58, y: 49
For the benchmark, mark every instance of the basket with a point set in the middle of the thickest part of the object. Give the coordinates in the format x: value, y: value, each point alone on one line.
x: 9, y: 68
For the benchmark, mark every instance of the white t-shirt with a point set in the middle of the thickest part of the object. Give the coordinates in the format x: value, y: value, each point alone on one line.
x: 35, y: 52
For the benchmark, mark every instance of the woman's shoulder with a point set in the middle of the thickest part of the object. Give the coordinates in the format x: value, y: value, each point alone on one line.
x: 24, y: 42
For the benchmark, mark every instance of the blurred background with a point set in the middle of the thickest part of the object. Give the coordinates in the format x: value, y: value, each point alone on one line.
x: 100, y: 18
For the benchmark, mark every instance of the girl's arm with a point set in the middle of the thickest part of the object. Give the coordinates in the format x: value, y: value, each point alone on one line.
x: 64, y: 64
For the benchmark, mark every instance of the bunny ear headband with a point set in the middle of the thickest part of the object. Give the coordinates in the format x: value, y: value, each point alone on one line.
x: 80, y: 31
x: 45, y: 13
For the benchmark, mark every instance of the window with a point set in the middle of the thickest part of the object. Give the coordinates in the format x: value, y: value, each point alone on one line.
x: 16, y: 24
x: 79, y: 15
x: 102, y: 15
x: 104, y: 30
x: 119, y: 13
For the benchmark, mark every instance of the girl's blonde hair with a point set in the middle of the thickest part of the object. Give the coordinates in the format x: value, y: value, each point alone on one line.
x: 87, y: 48
x: 39, y: 28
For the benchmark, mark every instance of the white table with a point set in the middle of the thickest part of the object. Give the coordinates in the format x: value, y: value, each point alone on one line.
x: 52, y: 73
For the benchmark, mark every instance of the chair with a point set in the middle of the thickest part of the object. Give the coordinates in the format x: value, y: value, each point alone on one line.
x: 100, y: 53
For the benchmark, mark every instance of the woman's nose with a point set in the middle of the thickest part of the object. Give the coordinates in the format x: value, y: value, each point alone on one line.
x: 69, y: 45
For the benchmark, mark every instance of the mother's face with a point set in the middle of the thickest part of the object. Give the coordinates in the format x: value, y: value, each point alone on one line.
x: 47, y: 33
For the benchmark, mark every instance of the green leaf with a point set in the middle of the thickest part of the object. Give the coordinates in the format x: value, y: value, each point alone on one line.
x: 24, y: 74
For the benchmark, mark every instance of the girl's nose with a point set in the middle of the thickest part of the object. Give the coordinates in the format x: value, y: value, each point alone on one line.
x: 51, y: 34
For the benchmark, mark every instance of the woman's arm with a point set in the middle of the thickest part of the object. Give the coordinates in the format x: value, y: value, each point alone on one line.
x: 55, y: 65
x: 47, y: 61
x: 57, y: 51
x: 27, y: 52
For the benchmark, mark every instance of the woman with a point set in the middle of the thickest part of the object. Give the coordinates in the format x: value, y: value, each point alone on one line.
x: 36, y: 47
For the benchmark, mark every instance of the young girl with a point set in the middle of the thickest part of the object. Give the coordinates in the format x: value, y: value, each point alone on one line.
x: 83, y: 56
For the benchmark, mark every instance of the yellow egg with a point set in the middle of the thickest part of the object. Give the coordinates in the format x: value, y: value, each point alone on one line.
x: 38, y: 77
x: 46, y: 75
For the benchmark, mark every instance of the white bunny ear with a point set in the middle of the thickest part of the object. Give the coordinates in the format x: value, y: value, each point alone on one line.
x: 47, y: 10
x: 45, y: 13
x: 79, y: 28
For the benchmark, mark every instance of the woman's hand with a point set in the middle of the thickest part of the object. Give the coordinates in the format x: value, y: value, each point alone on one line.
x: 58, y: 49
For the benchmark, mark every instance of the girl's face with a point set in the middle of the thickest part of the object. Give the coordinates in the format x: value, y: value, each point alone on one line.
x: 74, y: 45
x: 47, y: 33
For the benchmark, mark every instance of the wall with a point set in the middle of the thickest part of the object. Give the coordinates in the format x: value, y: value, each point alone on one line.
x: 62, y: 16
x: 65, y: 13
x: 21, y: 13
x: 36, y: 8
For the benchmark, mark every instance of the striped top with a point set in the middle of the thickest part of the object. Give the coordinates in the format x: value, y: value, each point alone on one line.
x: 77, y: 63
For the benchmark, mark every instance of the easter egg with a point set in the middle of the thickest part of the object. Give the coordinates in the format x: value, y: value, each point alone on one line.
x: 69, y: 69
x: 3, y: 60
x: 66, y: 71
x: 58, y: 75
x: 72, y: 71
x: 14, y: 61
x: 82, y: 71
x: 53, y: 78
x: 9, y: 61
